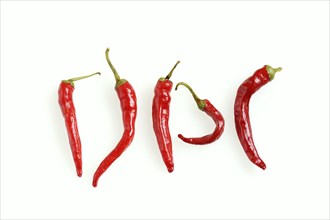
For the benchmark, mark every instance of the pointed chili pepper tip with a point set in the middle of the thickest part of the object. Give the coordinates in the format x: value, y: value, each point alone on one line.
x: 200, y: 103
x: 170, y: 168
x: 79, y: 173
x: 271, y: 71
x: 261, y: 164
x: 181, y: 136
x: 94, y: 183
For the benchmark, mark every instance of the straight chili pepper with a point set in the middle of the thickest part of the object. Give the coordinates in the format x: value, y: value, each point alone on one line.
x: 160, y: 118
x: 206, y: 106
x: 65, y: 101
x: 128, y: 104
x: 241, y: 108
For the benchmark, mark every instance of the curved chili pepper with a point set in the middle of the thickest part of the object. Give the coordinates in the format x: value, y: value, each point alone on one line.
x: 65, y: 101
x: 128, y: 104
x: 206, y: 106
x: 242, y: 120
x: 160, y: 118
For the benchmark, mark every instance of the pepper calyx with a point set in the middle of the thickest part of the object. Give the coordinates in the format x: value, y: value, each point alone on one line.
x: 120, y: 82
x: 271, y: 71
x: 201, y: 104
x: 69, y: 82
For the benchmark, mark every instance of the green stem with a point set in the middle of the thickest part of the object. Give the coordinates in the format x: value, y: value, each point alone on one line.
x: 271, y: 71
x: 200, y: 103
x: 79, y: 78
x: 170, y: 73
x: 83, y: 77
x: 115, y: 73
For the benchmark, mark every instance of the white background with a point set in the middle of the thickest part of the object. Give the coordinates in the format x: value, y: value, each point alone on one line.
x: 219, y: 44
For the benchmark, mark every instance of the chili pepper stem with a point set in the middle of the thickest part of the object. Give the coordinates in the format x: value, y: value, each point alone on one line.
x: 119, y: 81
x: 83, y: 77
x: 271, y: 71
x: 171, y: 72
x: 200, y: 103
x: 79, y: 78
x: 115, y: 73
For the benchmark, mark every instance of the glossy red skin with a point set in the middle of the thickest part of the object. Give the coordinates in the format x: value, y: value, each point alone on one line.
x: 242, y: 119
x: 160, y: 118
x: 218, y: 119
x: 128, y: 104
x: 65, y: 92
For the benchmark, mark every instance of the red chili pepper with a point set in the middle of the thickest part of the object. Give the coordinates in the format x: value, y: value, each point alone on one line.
x: 127, y: 98
x: 206, y: 106
x: 241, y: 108
x: 65, y: 101
x: 160, y: 118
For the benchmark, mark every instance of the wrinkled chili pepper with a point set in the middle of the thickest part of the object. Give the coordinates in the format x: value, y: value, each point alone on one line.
x: 65, y: 101
x: 242, y: 120
x: 160, y: 118
x: 206, y: 106
x: 128, y: 104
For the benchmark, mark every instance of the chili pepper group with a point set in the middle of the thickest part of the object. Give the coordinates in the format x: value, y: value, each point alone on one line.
x: 161, y: 115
